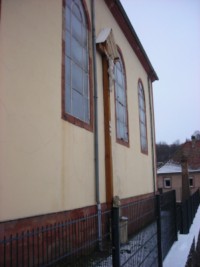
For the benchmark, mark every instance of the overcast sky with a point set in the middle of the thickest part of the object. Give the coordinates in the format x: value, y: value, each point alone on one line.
x: 169, y: 31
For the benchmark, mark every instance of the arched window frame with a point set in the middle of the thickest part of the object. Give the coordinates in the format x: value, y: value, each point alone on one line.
x: 122, y: 136
x: 142, y: 118
x: 70, y: 113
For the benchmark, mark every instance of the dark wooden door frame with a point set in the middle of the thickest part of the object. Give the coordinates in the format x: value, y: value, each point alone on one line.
x: 107, y: 132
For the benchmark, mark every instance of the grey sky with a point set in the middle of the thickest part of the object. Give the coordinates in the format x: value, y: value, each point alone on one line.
x: 169, y: 31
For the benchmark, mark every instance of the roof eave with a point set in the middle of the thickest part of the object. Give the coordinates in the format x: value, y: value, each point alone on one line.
x: 119, y: 14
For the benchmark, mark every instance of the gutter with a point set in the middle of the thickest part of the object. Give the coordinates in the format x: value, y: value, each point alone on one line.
x: 96, y: 136
x: 152, y: 134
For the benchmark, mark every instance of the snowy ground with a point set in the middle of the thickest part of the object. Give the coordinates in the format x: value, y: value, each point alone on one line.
x: 178, y: 254
x: 141, y: 250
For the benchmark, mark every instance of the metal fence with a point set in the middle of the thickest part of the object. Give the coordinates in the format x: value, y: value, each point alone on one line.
x: 141, y: 248
x: 71, y: 243
x: 136, y: 234
x: 186, y: 211
x: 151, y: 229
x: 193, y: 259
x: 168, y: 221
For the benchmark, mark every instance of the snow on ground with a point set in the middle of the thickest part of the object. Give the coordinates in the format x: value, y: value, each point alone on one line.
x: 178, y: 254
x: 141, y: 250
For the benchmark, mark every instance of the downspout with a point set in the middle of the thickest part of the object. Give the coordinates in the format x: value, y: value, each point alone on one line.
x: 96, y: 137
x: 152, y: 134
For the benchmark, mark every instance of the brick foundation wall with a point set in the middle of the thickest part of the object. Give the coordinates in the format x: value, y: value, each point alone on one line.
x: 42, y: 239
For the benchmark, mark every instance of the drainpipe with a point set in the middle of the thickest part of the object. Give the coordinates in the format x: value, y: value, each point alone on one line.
x: 152, y: 134
x: 96, y: 137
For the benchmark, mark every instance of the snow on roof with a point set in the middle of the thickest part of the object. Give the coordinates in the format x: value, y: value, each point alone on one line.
x: 172, y: 167
x: 169, y: 167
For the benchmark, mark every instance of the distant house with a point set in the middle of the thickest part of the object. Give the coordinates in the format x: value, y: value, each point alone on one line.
x: 76, y: 112
x: 190, y: 150
x: 170, y: 174
x: 170, y: 178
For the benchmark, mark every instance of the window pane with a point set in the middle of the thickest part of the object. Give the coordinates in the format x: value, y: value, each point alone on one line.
x: 68, y: 19
x: 77, y: 105
x: 141, y: 102
x: 80, y: 9
x: 68, y: 71
x: 84, y: 37
x: 143, y: 143
x: 85, y: 57
x: 77, y: 80
x: 143, y: 130
x: 120, y: 113
x: 68, y: 3
x: 142, y: 116
x: 125, y: 133
x: 68, y: 44
x: 191, y: 181
x: 68, y: 85
x: 76, y: 10
x: 120, y: 78
x: 140, y: 87
x: 118, y: 65
x: 167, y: 182
x: 121, y: 95
x: 77, y: 52
x: 86, y: 89
x: 86, y: 110
x: 76, y: 28
x: 68, y: 99
x: 120, y: 130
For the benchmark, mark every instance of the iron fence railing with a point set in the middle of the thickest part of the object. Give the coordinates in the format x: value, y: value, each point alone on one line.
x: 168, y: 221
x: 193, y: 259
x: 72, y: 243
x: 141, y: 249
x: 136, y: 234
x: 186, y: 211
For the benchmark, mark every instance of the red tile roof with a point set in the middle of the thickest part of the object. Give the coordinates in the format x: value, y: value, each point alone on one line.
x: 191, y: 151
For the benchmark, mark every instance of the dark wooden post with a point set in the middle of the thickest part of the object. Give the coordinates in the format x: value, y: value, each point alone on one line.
x: 107, y: 133
x: 115, y: 233
x: 159, y: 233
x: 175, y: 216
x: 185, y: 179
x: 185, y: 195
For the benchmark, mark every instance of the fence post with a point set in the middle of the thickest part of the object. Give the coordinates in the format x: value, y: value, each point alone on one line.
x: 187, y: 215
x: 115, y: 233
x: 175, y: 216
x: 159, y: 237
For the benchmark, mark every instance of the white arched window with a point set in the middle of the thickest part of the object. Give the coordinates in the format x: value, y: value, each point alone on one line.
x: 76, y: 92
x: 121, y: 103
x: 142, y: 118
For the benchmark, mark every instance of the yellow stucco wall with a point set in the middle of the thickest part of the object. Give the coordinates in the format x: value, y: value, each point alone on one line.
x: 30, y: 138
x: 132, y: 169
x: 46, y: 163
